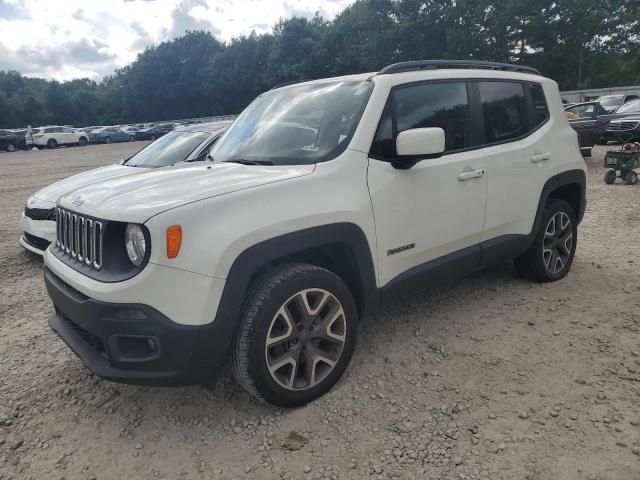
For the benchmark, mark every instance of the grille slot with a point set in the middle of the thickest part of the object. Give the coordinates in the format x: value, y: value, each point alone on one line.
x: 40, y: 213
x: 89, y: 338
x: 622, y: 126
x: 37, y: 242
x: 79, y: 237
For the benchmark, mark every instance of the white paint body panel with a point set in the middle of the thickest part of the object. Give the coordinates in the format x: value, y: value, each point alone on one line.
x: 225, y: 208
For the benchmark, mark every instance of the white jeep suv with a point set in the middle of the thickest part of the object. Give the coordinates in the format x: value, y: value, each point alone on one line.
x: 325, y: 200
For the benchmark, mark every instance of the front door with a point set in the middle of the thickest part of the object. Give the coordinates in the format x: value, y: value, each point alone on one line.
x: 436, y: 208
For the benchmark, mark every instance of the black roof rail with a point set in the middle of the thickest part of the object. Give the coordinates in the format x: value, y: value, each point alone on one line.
x: 286, y: 84
x: 472, y: 64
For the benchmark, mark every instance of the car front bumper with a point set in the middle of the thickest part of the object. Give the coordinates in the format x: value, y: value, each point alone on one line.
x: 135, y: 343
x: 37, y: 234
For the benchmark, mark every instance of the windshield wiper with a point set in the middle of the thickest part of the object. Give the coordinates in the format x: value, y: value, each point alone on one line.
x: 244, y: 161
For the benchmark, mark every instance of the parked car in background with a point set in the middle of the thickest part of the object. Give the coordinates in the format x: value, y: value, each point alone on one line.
x: 20, y: 133
x: 190, y: 144
x: 612, y: 102
x: 110, y: 134
x: 154, y: 132
x: 589, y: 120
x: 53, y: 136
x: 9, y: 140
x: 624, y: 123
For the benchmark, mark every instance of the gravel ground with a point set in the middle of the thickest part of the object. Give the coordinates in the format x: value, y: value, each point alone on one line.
x: 491, y: 378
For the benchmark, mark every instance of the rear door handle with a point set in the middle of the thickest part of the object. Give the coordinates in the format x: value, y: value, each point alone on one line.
x: 470, y: 174
x: 540, y: 157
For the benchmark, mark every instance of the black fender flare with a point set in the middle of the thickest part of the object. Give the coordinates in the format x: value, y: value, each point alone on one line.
x: 570, y: 177
x: 250, y: 261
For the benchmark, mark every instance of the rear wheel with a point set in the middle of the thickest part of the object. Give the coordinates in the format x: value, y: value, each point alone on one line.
x: 82, y: 141
x: 107, y: 140
x: 550, y: 256
x: 296, y: 335
x: 132, y: 138
x: 610, y: 177
x: 152, y: 138
x: 11, y: 147
x: 51, y: 143
x: 632, y: 178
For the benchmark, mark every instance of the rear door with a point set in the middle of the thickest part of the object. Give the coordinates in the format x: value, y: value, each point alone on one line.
x: 515, y: 119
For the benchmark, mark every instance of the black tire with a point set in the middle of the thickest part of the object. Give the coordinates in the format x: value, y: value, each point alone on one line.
x: 107, y: 140
x: 51, y: 143
x: 631, y: 178
x: 82, y: 141
x: 610, y: 177
x: 532, y: 264
x: 11, y: 147
x: 132, y: 138
x: 249, y: 351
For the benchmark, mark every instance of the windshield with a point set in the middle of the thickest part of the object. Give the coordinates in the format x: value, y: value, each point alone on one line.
x: 610, y: 100
x: 174, y: 147
x: 303, y: 124
x: 631, y: 107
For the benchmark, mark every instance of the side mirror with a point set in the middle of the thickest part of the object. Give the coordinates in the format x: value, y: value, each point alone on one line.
x: 416, y: 144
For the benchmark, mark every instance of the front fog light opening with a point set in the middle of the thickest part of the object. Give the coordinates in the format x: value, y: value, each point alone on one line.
x: 135, y: 243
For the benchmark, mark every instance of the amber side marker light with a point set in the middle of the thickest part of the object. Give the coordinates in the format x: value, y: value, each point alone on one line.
x: 174, y: 240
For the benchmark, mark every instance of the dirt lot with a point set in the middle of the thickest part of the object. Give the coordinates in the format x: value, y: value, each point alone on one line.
x: 491, y: 378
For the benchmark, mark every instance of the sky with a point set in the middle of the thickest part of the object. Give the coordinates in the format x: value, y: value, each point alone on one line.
x: 67, y: 39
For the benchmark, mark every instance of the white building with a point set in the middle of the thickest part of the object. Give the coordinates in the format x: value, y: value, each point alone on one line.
x: 578, y: 96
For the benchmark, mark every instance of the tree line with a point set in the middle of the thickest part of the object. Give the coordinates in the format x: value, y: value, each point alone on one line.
x: 579, y: 43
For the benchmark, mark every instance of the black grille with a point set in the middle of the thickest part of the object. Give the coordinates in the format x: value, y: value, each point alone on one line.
x: 37, y: 242
x: 40, y: 213
x: 89, y: 338
x: 624, y: 125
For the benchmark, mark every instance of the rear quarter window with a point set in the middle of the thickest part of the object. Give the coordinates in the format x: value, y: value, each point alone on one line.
x: 539, y: 103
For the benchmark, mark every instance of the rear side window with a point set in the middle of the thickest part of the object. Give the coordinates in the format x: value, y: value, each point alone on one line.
x: 540, y: 108
x: 504, y: 108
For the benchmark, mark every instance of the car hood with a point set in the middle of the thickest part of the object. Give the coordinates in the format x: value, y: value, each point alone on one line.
x: 136, y: 198
x: 56, y: 190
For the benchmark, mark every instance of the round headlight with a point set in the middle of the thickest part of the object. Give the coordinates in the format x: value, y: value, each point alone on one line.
x: 135, y: 243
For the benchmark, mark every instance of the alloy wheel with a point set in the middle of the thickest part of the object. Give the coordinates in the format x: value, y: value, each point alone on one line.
x: 305, y: 339
x: 557, y: 243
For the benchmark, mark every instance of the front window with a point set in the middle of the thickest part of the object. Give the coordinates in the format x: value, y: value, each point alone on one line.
x: 172, y: 148
x: 303, y: 124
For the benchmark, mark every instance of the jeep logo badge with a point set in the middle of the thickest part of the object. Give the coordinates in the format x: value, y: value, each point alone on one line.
x: 77, y: 201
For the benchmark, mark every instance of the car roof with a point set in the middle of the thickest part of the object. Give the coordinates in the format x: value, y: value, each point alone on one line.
x: 207, y: 127
x: 425, y: 74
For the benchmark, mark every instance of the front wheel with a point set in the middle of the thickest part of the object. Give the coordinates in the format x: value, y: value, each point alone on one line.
x: 83, y: 141
x: 296, y: 335
x: 51, y: 143
x: 550, y: 256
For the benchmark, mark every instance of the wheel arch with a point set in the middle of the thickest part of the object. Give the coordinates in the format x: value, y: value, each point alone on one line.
x: 570, y: 186
x: 341, y: 248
